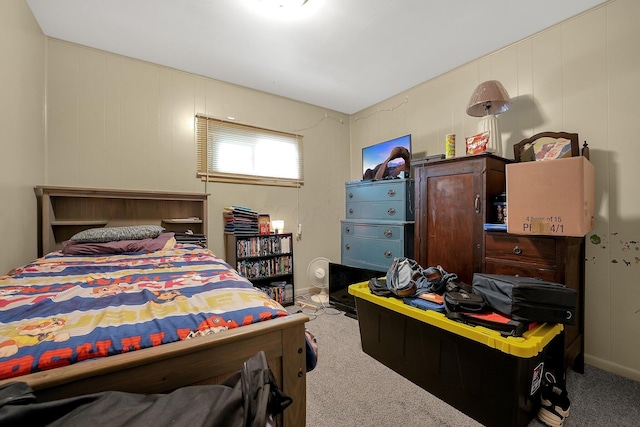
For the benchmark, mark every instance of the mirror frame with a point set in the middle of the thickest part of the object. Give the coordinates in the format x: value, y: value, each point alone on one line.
x: 573, y: 137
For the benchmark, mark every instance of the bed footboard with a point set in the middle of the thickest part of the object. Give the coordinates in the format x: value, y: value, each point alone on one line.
x: 205, y: 360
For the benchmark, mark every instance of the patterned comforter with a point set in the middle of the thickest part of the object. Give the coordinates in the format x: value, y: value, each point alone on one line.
x: 63, y: 309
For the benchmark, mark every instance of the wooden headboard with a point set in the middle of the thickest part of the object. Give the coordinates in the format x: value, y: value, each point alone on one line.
x: 64, y: 211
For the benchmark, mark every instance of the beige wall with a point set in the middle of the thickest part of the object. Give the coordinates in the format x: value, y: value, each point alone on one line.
x: 21, y: 131
x: 580, y: 76
x: 117, y: 122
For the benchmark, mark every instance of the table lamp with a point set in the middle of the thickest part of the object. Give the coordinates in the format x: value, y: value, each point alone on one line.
x: 488, y: 100
x: 277, y: 226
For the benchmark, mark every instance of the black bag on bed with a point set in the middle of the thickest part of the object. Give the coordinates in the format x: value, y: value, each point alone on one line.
x: 527, y: 299
x: 249, y: 398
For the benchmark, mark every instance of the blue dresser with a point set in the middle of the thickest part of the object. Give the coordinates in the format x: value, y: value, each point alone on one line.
x: 379, y: 223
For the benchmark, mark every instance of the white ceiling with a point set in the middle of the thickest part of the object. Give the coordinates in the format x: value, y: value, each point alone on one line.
x: 343, y: 55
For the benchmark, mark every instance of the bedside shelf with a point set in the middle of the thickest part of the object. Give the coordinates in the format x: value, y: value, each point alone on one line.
x: 182, y: 221
x: 72, y: 223
x: 64, y: 211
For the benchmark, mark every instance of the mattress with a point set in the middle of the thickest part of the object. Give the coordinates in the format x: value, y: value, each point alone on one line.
x: 63, y: 309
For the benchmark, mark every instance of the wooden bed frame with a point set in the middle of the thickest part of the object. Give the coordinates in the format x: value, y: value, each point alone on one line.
x: 205, y: 360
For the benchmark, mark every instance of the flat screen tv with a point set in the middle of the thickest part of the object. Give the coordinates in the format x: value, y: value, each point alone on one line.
x: 340, y: 277
x: 388, y: 159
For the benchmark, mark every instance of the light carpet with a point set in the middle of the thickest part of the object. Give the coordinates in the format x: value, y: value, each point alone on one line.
x: 350, y: 388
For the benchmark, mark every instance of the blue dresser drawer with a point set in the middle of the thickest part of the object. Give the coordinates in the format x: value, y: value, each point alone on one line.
x: 374, y: 245
x: 383, y: 231
x: 387, y: 210
x: 384, y: 200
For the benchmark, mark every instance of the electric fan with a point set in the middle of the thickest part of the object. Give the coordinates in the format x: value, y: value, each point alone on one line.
x: 318, y: 274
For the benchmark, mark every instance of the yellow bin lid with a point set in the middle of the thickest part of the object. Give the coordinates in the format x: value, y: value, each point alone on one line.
x: 530, y: 344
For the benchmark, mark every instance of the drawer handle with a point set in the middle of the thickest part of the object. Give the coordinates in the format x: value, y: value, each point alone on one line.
x: 391, y: 211
x: 347, y: 230
x: 387, y: 254
x: 517, y: 250
x: 476, y: 203
x: 351, y: 195
x: 388, y: 233
x: 347, y: 247
x: 391, y: 192
x: 351, y: 211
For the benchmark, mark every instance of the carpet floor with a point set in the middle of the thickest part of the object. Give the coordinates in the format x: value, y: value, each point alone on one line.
x: 350, y: 388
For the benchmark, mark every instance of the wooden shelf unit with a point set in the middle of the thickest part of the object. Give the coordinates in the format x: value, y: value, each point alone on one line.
x: 264, y: 263
x: 64, y: 211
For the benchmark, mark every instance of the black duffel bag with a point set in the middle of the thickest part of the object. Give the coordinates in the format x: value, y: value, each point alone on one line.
x: 248, y: 398
x: 526, y: 298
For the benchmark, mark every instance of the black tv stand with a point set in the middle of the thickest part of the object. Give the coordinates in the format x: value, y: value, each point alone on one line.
x: 351, y: 314
x: 340, y: 278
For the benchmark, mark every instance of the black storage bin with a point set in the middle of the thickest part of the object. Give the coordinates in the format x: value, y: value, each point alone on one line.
x: 493, y: 379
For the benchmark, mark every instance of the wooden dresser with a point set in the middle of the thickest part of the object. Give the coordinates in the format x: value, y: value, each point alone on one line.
x: 453, y: 201
x: 557, y: 259
x: 379, y: 223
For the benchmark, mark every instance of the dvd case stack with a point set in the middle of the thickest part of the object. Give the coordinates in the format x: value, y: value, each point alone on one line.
x: 257, y: 269
x: 240, y: 220
x: 256, y: 246
x: 280, y: 291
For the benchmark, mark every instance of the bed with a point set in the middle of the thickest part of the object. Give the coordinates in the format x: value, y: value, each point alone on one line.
x: 97, y: 320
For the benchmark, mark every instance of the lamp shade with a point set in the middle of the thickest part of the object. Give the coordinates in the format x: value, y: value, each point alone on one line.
x: 490, y: 97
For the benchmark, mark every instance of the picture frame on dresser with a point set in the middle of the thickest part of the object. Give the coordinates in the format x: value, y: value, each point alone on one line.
x: 546, y: 145
x: 387, y: 159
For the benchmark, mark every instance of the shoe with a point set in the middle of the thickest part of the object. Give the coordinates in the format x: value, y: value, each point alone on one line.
x: 554, y: 402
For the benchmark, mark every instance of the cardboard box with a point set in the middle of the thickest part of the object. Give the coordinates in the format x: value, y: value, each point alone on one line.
x: 551, y: 197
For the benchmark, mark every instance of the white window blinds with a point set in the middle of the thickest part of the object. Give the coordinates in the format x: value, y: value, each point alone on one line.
x: 233, y: 152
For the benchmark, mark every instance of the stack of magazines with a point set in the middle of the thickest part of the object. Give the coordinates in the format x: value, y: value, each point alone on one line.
x: 190, y: 237
x: 240, y: 220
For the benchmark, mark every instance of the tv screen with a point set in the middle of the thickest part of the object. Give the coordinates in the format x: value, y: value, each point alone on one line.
x: 388, y: 159
x: 340, y: 277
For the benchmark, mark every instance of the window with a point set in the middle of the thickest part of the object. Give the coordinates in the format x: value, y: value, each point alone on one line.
x: 233, y: 152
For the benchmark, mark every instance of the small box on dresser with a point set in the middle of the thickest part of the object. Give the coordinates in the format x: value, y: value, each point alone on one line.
x: 551, y: 197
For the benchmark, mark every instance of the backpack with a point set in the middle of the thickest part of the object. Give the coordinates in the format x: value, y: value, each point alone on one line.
x: 406, y: 278
x: 460, y: 300
x: 249, y: 397
x: 527, y: 299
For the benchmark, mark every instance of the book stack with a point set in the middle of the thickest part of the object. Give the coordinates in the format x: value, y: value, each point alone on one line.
x: 190, y: 237
x: 240, y: 220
